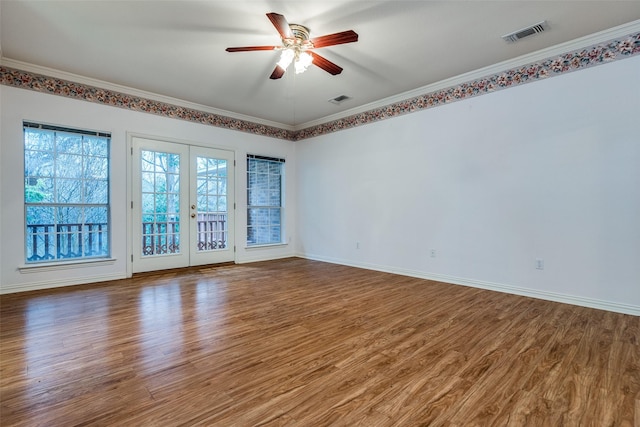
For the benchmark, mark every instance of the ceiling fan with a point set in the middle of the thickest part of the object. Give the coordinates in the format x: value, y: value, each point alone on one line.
x: 297, y: 47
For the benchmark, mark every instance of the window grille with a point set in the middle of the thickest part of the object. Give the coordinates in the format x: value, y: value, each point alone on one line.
x: 66, y: 197
x: 264, y: 200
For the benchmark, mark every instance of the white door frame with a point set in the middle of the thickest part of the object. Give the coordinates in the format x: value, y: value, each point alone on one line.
x: 132, y: 175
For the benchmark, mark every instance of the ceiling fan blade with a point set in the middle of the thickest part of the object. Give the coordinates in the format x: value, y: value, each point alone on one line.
x: 281, y: 24
x: 277, y: 73
x: 325, y: 64
x: 349, y: 36
x: 251, y: 48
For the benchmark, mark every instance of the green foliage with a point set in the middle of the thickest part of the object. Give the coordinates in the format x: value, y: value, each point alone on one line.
x: 35, y: 193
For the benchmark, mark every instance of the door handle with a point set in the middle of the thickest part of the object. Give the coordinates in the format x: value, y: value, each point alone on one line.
x: 193, y: 215
x: 193, y: 206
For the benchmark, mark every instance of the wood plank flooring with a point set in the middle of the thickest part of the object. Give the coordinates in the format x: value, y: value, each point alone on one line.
x: 304, y: 343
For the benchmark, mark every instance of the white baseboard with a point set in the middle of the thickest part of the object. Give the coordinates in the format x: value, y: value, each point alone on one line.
x: 265, y: 257
x: 510, y: 289
x: 49, y: 284
x: 499, y: 287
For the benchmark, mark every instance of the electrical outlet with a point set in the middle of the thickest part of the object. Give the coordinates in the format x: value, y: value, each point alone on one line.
x: 433, y: 253
x: 539, y: 264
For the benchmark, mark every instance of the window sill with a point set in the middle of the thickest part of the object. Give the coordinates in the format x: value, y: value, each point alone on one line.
x: 266, y: 246
x: 65, y: 265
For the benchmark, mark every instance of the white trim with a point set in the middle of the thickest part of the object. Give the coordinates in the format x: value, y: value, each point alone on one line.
x: 129, y: 193
x: 76, y: 78
x: 50, y: 284
x: 500, y: 67
x: 498, y: 287
x: 203, y: 144
x: 560, y: 49
x: 65, y: 265
x: 190, y: 146
x: 248, y: 260
x: 265, y: 246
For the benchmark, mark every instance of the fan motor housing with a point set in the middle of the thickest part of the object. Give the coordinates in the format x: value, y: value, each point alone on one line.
x: 300, y: 40
x: 300, y: 32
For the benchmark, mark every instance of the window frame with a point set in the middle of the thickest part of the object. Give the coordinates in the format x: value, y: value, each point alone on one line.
x: 86, y: 236
x: 252, y: 204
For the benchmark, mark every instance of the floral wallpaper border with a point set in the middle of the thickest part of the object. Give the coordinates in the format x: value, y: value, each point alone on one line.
x: 51, y: 85
x: 579, y: 59
x: 572, y: 61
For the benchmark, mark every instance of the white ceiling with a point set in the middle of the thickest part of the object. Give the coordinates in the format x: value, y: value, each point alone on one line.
x: 177, y: 48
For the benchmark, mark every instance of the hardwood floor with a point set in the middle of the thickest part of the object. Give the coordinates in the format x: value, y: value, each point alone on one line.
x: 304, y: 343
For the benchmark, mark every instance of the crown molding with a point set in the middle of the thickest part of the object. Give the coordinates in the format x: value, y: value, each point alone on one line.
x: 595, y: 49
x: 76, y: 78
x: 500, y: 67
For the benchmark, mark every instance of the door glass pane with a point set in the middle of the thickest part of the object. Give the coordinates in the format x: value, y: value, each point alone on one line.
x: 212, y: 226
x: 160, y: 203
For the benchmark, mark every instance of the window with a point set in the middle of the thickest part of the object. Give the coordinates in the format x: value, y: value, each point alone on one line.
x: 264, y: 200
x: 66, y: 193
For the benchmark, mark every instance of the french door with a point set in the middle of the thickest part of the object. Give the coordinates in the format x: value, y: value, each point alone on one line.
x: 182, y: 205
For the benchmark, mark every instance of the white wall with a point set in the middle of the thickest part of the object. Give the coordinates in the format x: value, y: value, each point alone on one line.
x: 17, y: 105
x: 547, y: 170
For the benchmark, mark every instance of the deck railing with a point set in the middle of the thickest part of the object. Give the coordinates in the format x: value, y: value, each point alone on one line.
x: 212, y: 231
x: 48, y: 242
x: 160, y: 238
x: 66, y: 241
x: 164, y: 237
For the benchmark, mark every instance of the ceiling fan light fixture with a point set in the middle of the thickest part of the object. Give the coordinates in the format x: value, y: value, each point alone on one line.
x: 303, y: 61
x: 286, y: 58
x: 296, y: 47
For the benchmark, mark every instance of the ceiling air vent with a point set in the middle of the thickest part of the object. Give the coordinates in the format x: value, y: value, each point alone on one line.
x: 526, y: 32
x: 339, y: 99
